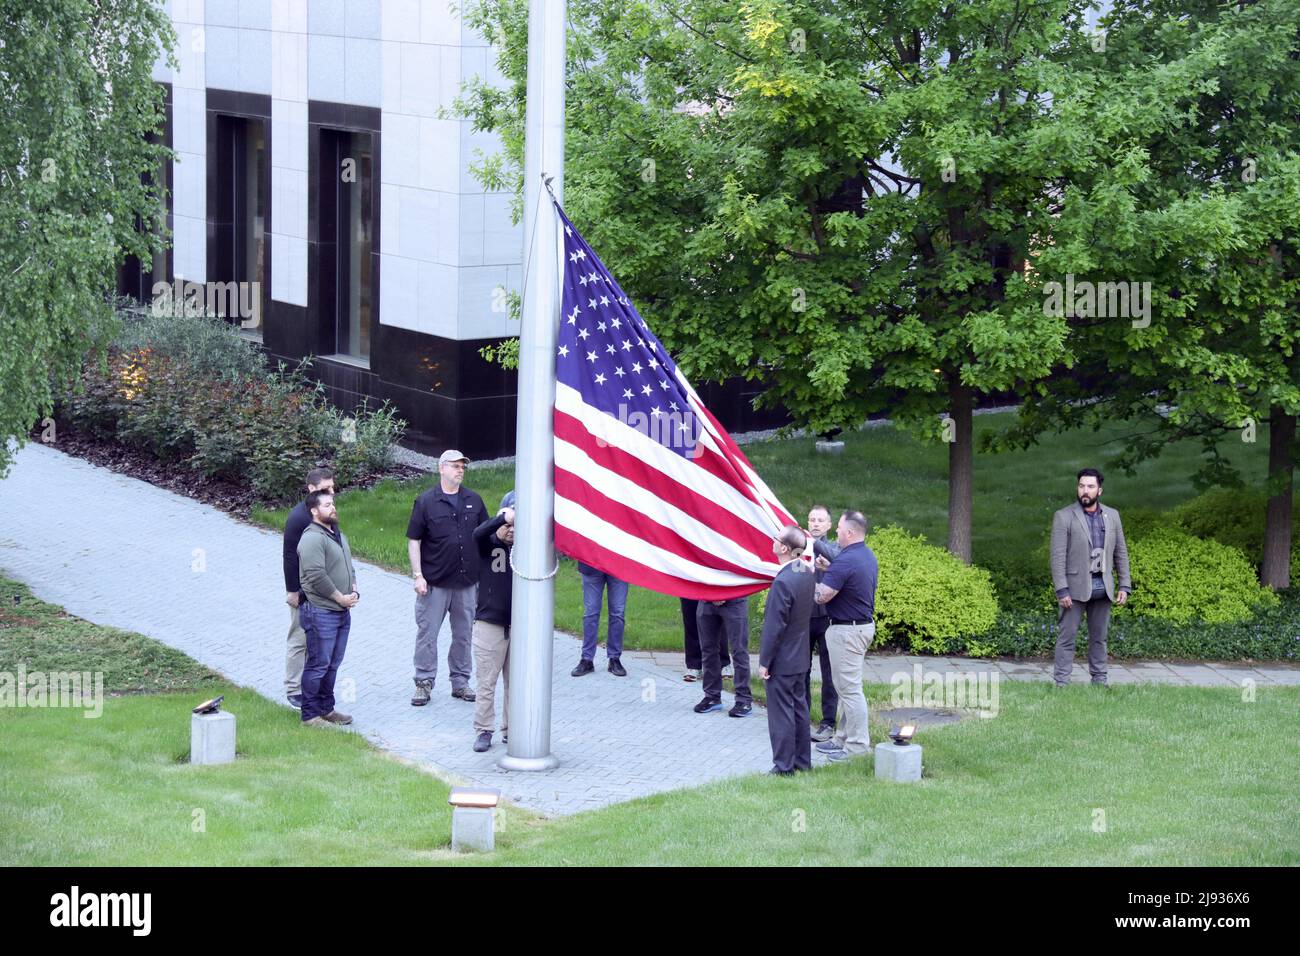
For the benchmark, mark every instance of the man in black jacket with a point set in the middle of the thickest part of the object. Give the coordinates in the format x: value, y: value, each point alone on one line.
x: 491, y: 634
x: 318, y: 479
x: 783, y: 654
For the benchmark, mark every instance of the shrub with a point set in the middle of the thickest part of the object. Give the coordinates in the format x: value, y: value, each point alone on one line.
x: 1140, y: 522
x: 207, y: 344
x: 362, y: 441
x: 1025, y: 581
x: 1235, y: 517
x: 926, y: 596
x: 1271, y: 634
x: 1180, y: 578
x: 203, y: 396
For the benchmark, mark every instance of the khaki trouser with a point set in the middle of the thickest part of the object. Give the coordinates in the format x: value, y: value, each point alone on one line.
x: 296, y: 656
x: 847, y: 645
x: 491, y: 659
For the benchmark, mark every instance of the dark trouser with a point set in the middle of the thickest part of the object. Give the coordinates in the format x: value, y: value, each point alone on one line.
x: 1098, y: 611
x: 817, y: 647
x: 690, y: 626
x: 787, y: 723
x: 327, y: 641
x: 721, y: 628
x: 594, y: 586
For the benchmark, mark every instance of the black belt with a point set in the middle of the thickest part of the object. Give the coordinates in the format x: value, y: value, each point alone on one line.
x: 836, y: 620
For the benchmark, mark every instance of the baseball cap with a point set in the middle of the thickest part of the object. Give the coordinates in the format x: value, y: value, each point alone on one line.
x: 451, y: 454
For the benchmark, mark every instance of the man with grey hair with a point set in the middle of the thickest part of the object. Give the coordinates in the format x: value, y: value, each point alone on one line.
x: 781, y: 657
x: 848, y: 590
x: 444, y: 565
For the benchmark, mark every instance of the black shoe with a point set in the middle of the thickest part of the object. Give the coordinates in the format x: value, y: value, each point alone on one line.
x: 483, y: 742
x: 616, y: 667
x: 708, y: 705
x: 584, y: 667
x: 463, y: 694
x: 781, y: 773
x: 741, y: 710
x: 295, y: 701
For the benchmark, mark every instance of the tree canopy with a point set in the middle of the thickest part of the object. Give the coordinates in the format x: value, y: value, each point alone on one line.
x: 857, y: 203
x: 75, y: 191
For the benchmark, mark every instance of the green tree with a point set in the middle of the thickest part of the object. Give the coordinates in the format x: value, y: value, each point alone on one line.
x: 79, y: 106
x: 1214, y: 221
x: 835, y: 198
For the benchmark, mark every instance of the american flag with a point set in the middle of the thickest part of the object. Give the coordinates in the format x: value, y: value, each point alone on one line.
x: 648, y: 486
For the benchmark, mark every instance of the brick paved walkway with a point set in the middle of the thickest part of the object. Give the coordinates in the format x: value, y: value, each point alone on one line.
x: 190, y: 576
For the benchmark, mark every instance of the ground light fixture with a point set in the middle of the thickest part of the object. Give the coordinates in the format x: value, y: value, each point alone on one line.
x: 902, y: 736
x: 210, y: 706
x: 473, y: 818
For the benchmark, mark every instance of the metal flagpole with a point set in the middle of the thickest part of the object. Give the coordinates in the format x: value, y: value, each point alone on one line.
x: 532, y: 614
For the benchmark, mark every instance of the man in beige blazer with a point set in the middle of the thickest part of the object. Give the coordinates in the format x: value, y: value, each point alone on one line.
x: 1088, y: 552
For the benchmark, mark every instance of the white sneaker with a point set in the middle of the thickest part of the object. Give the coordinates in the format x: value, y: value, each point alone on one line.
x: 692, y: 674
x: 727, y: 673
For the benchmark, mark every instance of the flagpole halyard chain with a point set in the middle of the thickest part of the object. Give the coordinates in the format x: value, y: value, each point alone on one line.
x: 553, y: 572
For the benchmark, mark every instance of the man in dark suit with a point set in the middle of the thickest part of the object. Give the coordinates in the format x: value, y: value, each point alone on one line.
x: 783, y: 654
x: 1089, y: 554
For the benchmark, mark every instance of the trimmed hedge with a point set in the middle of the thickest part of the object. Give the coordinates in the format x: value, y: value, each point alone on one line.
x: 1182, y: 578
x: 1271, y: 635
x: 927, y: 598
x: 202, y: 395
x: 1235, y: 517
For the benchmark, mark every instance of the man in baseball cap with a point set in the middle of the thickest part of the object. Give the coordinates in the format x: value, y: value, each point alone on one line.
x: 445, y: 566
x: 451, y: 454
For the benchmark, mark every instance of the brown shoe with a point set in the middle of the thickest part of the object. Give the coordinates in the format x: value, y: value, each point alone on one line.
x: 338, y: 717
x: 423, y: 688
x: 317, y: 722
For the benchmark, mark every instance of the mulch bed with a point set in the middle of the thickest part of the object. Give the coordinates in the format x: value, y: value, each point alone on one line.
x: 228, y: 496
x: 11, y: 619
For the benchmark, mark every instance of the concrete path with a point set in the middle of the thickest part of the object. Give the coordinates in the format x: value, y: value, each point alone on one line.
x: 120, y: 552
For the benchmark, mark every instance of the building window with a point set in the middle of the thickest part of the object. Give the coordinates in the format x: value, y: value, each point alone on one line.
x: 136, y: 279
x: 346, y: 277
x: 239, y: 221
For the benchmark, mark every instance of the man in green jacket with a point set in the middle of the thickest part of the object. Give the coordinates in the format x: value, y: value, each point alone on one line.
x: 329, y: 583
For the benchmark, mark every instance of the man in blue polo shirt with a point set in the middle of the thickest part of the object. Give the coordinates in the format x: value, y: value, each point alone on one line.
x: 848, y: 591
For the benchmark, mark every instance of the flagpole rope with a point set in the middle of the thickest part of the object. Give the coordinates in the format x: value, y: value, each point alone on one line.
x: 528, y: 269
x: 554, y: 571
x: 532, y: 240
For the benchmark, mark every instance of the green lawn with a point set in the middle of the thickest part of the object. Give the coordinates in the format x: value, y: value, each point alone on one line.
x: 889, y: 475
x: 1181, y: 776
